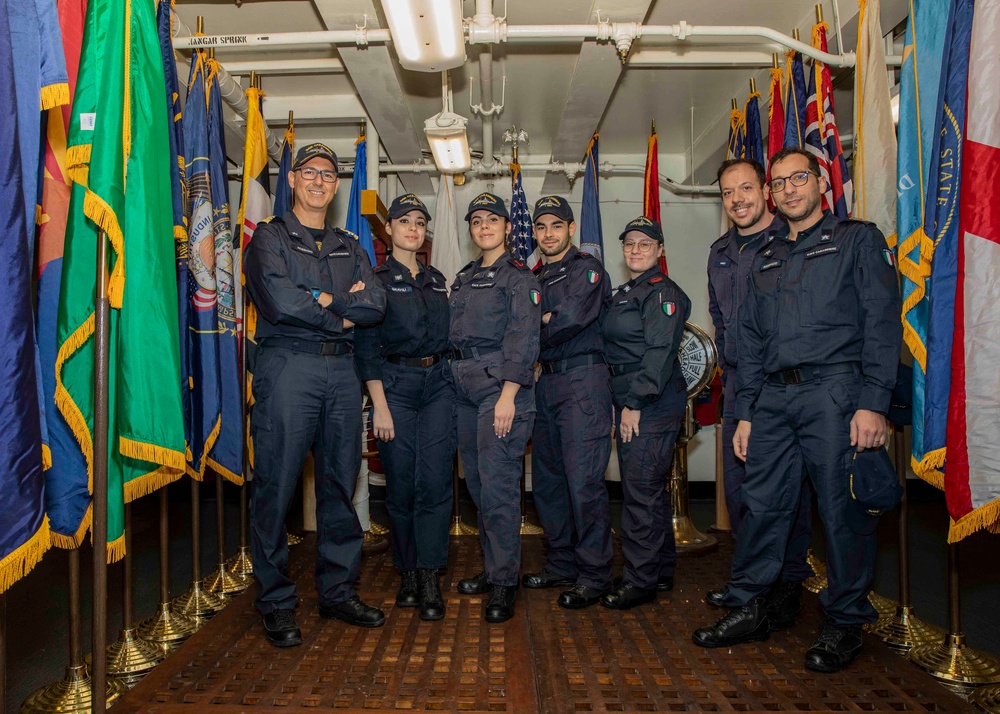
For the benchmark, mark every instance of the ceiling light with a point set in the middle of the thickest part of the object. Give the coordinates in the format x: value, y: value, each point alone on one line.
x: 428, y: 34
x: 449, y: 142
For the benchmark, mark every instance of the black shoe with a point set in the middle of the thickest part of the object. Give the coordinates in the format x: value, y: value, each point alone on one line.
x: 281, y: 630
x: 546, y: 579
x: 431, y: 602
x: 784, y: 603
x: 714, y: 597
x: 741, y: 624
x: 476, y: 585
x: 663, y: 585
x: 353, y: 612
x: 500, y: 606
x: 580, y: 596
x: 407, y: 595
x: 627, y: 596
x: 835, y: 649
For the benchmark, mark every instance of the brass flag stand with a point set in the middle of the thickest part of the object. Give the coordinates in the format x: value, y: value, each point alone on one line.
x: 223, y: 581
x: 197, y: 602
x: 690, y: 541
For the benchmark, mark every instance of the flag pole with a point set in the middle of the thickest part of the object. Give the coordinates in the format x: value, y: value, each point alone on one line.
x: 458, y: 528
x: 900, y: 629
x: 222, y: 581
x: 166, y: 628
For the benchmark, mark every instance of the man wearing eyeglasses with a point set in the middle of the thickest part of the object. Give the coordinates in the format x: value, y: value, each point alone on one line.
x: 820, y: 336
x: 310, y: 283
x: 744, y: 199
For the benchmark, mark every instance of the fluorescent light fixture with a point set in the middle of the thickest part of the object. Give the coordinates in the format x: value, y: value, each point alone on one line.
x: 449, y: 142
x: 428, y: 34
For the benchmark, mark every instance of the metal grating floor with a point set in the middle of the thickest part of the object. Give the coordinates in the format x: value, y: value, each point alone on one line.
x: 545, y: 660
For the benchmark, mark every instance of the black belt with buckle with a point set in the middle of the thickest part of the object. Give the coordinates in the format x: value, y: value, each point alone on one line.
x: 414, y: 361
x: 317, y: 348
x: 620, y: 369
x: 805, y: 374
x: 564, y: 365
x: 473, y: 352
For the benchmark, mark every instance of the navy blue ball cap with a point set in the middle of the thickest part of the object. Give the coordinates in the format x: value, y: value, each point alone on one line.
x: 554, y: 205
x: 488, y: 202
x: 401, y: 205
x: 645, y: 225
x: 874, y: 489
x: 314, y: 151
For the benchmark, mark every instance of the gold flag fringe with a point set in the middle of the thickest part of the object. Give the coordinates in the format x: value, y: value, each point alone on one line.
x: 46, y: 457
x: 22, y: 559
x: 153, y: 481
x: 116, y: 549
x: 159, y: 455
x: 64, y: 401
x: 984, y: 517
x: 54, y: 95
x: 69, y: 542
x: 224, y: 472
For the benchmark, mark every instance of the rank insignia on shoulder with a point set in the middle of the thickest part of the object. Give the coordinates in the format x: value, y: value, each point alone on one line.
x: 266, y: 220
x: 657, y: 279
x: 352, y: 235
x: 592, y: 276
x: 669, y: 308
x: 826, y: 237
x: 536, y: 297
x: 518, y: 263
x: 889, y: 257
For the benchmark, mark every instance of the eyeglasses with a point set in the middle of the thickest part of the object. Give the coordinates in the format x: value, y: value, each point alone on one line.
x: 799, y: 178
x: 644, y: 246
x: 310, y: 174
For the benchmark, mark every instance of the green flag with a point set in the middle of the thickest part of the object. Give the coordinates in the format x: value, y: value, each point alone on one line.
x: 118, y: 157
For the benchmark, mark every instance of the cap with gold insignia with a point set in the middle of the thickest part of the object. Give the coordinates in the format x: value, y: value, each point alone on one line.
x: 644, y: 225
x: 401, y: 205
x: 555, y: 205
x: 488, y: 202
x: 315, y: 151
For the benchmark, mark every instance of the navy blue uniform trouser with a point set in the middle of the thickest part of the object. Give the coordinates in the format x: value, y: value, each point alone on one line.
x: 418, y: 463
x: 798, y: 430
x: 570, y: 448
x: 492, y: 465
x: 305, y: 401
x: 645, y: 464
x: 796, y: 567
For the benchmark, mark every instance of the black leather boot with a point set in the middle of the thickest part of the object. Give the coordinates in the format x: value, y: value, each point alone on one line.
x: 835, y: 648
x: 741, y: 624
x: 431, y: 602
x: 784, y: 603
x: 476, y: 585
x: 407, y: 595
x: 500, y: 606
x: 281, y: 630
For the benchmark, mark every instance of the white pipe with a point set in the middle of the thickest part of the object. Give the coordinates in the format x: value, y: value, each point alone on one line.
x: 486, y: 99
x: 359, y: 36
x: 318, y: 65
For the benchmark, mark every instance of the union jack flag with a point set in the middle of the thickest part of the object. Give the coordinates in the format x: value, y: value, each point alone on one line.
x: 522, y: 236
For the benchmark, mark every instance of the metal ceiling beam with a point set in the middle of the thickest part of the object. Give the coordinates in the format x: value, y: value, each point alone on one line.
x: 372, y: 69
x: 598, y: 70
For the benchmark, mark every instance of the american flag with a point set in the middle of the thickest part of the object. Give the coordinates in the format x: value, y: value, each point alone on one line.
x: 522, y: 237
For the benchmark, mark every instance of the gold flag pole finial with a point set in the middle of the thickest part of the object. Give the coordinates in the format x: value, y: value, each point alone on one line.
x: 652, y: 129
x: 774, y: 60
x: 795, y: 34
x: 819, y: 14
x: 362, y: 132
x: 735, y: 105
x: 253, y: 78
x: 291, y: 117
x: 753, y: 85
x: 200, y: 25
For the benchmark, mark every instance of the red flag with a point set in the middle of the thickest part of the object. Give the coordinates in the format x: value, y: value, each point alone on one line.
x: 775, y: 124
x: 651, y: 188
x: 841, y: 186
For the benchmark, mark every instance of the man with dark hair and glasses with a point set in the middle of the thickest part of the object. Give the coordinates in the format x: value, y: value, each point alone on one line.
x: 311, y: 283
x: 744, y: 199
x: 820, y: 337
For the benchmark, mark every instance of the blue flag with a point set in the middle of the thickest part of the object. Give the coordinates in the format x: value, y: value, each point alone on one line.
x: 200, y: 336
x: 754, y: 148
x: 24, y: 530
x: 591, y: 235
x: 226, y: 455
x: 919, y: 104
x: 941, y: 226
x: 795, y: 102
x: 522, y: 236
x: 283, y: 192
x: 356, y: 223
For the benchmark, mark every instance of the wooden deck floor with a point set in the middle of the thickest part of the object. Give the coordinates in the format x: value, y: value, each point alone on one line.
x: 545, y: 660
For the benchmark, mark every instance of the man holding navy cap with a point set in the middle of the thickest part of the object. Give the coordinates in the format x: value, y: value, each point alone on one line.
x: 571, y: 442
x: 310, y: 283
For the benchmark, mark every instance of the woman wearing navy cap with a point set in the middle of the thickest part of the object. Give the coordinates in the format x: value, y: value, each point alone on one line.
x: 642, y: 334
x: 495, y: 322
x: 403, y: 362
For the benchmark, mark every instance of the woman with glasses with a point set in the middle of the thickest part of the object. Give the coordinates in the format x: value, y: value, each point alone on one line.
x: 642, y: 334
x: 495, y: 322
x: 403, y: 363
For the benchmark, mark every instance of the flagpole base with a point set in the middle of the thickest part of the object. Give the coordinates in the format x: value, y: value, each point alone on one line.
x: 690, y: 540
x: 223, y: 582
x: 374, y: 543
x: 986, y: 699
x: 377, y: 528
x: 294, y: 539
x: 888, y: 608
x: 167, y: 629
x: 902, y: 631
x: 241, y: 565
x: 458, y: 528
x: 70, y: 694
x: 956, y: 665
x: 198, y: 603
x: 131, y: 658
x: 530, y: 528
x: 818, y: 581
